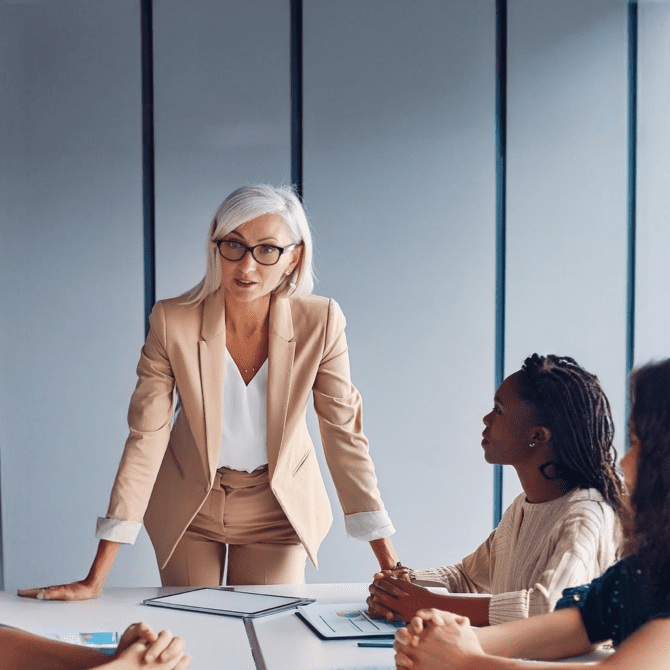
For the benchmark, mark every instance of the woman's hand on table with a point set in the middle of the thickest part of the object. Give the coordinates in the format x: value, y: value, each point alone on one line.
x: 82, y: 590
x: 141, y: 647
x: 395, y: 597
x: 134, y: 633
x: 437, y: 640
x: 398, y: 572
x: 86, y: 589
x: 406, y: 639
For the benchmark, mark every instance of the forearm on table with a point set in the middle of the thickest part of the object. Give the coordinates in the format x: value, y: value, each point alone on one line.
x: 549, y: 636
x: 501, y: 663
x: 19, y: 649
x: 648, y: 648
x: 475, y: 608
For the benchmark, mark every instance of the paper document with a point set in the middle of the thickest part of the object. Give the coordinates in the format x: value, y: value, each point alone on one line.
x: 348, y: 620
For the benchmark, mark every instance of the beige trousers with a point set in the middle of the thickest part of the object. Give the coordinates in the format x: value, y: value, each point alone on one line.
x: 241, y: 520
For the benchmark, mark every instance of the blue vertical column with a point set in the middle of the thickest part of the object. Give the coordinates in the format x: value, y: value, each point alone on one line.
x: 501, y: 223
x: 632, y: 188
x: 148, y: 159
x: 296, y: 96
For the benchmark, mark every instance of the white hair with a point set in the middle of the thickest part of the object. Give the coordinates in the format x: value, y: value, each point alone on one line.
x: 245, y: 204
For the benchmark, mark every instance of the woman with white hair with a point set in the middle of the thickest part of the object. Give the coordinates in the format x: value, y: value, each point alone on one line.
x: 218, y: 462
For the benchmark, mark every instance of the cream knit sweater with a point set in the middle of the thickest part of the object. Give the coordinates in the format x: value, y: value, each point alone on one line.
x: 537, y: 551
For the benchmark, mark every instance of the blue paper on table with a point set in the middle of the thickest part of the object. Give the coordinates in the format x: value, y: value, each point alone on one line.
x: 101, y: 640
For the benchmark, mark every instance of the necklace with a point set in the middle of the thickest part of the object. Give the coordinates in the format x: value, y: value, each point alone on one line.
x: 258, y: 364
x: 253, y: 369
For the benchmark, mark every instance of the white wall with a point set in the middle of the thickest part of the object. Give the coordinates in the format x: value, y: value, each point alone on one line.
x: 652, y: 332
x: 71, y: 323
x: 399, y: 185
x: 399, y: 177
x: 222, y: 119
x: 566, y: 181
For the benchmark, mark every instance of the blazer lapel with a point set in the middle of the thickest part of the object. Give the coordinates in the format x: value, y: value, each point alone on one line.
x: 281, y: 351
x: 212, y: 361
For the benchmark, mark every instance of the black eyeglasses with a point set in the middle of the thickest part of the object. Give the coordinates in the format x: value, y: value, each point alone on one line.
x: 265, y: 254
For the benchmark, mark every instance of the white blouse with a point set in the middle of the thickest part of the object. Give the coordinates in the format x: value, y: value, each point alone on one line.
x: 245, y: 413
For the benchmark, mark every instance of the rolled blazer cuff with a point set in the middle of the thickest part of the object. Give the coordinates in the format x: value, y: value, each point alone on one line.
x: 368, y: 526
x: 116, y: 530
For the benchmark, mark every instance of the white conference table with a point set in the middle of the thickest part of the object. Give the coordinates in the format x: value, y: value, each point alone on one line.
x: 214, y: 642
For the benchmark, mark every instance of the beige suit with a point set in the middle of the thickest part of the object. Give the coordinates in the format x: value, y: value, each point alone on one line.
x: 166, y: 472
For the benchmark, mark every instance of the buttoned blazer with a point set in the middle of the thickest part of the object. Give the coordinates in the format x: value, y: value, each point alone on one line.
x: 167, y: 471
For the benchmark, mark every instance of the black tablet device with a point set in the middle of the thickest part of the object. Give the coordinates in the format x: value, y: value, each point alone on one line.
x: 227, y: 602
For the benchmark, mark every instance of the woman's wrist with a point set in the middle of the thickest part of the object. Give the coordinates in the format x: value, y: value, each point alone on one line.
x: 95, y: 582
x: 96, y: 578
x: 385, y: 553
x: 102, y: 564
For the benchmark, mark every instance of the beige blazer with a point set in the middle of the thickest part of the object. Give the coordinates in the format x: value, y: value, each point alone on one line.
x: 167, y: 471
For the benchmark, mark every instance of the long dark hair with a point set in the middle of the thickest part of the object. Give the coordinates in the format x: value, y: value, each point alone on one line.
x: 570, y: 402
x: 650, y: 420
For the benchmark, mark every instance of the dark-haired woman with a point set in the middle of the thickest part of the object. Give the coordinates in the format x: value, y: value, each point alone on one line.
x: 551, y: 421
x: 629, y: 604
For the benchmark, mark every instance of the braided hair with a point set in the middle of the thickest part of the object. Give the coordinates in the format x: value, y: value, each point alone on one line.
x: 570, y: 402
x: 650, y: 420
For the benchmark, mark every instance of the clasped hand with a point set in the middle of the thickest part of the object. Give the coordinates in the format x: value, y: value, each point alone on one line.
x: 393, y: 596
x: 140, y: 647
x: 437, y: 640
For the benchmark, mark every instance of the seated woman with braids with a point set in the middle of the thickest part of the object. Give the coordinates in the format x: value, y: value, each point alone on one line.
x: 551, y: 420
x: 629, y: 604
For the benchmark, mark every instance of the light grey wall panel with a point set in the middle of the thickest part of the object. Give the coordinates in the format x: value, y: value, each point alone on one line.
x: 566, y: 178
x: 400, y: 187
x: 652, y: 336
x: 70, y: 273
x: 222, y: 119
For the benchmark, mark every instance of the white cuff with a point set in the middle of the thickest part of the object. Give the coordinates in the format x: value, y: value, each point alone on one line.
x: 115, y: 530
x: 368, y: 526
